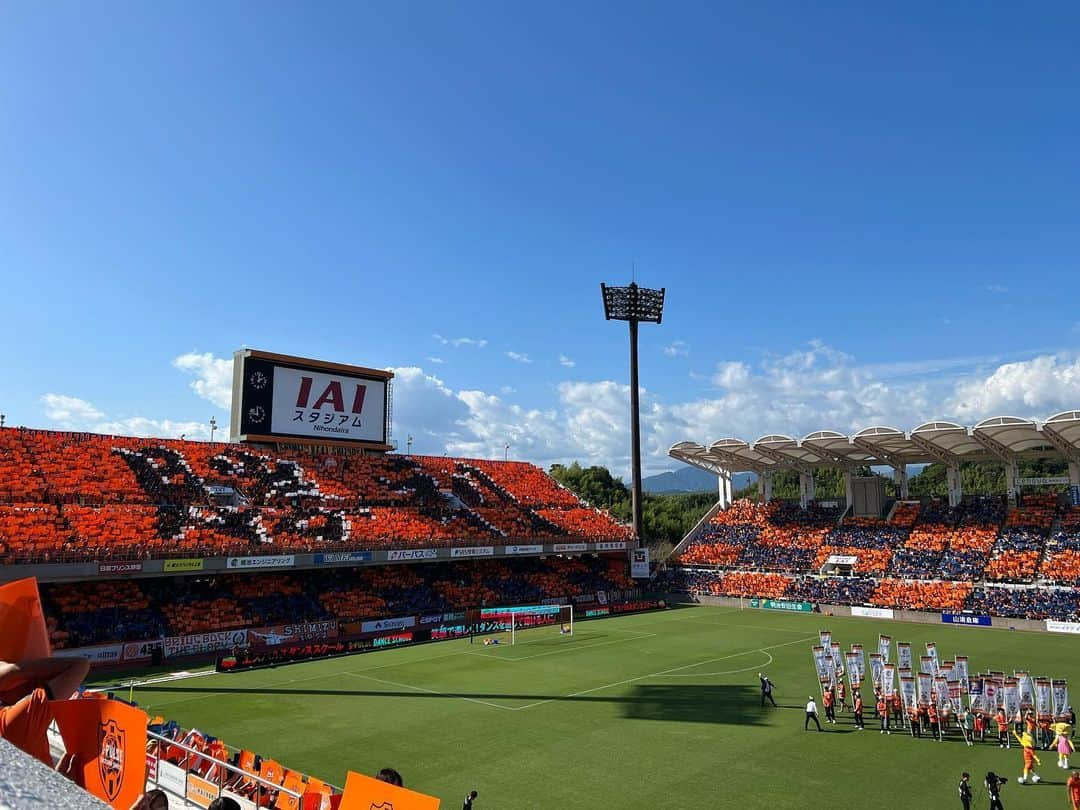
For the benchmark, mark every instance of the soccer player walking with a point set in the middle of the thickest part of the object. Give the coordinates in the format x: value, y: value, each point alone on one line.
x: 766, y: 689
x: 811, y: 714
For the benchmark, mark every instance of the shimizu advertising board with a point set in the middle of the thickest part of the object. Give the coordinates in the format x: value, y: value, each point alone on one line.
x: 276, y: 396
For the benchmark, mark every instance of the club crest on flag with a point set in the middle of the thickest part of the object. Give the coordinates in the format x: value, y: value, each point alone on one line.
x: 111, y: 758
x: 382, y: 806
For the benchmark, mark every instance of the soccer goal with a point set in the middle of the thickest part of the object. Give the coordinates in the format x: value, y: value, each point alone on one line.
x: 504, y: 624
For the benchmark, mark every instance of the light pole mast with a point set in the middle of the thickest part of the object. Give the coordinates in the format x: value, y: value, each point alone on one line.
x: 634, y: 304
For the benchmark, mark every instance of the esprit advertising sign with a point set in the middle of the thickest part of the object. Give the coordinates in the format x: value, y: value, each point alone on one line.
x: 523, y: 550
x: 97, y: 656
x: 412, y: 554
x: 247, y: 563
x: 286, y: 396
x: 473, y: 551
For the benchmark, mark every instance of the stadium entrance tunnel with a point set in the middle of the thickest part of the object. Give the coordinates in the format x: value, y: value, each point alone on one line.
x: 730, y: 704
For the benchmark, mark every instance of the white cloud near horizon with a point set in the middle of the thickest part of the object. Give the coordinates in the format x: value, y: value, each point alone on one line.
x: 813, y: 387
x: 677, y: 348
x: 566, y: 362
x: 213, y: 376
x: 519, y: 357
x: 458, y: 342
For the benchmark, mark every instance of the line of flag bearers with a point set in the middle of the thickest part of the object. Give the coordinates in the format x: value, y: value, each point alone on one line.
x: 929, y: 703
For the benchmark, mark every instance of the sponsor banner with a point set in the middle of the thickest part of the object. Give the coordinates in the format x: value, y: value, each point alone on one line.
x: 108, y: 737
x: 1060, y: 689
x: 203, y: 642
x: 884, y: 647
x: 872, y: 612
x: 289, y: 633
x: 344, y: 557
x: 907, y: 692
x: 120, y: 568
x: 199, y: 791
x: 1042, y: 482
x: 151, y: 768
x: 639, y: 563
x: 175, y: 566
x: 1012, y: 697
x: 1062, y: 627
x: 962, y: 670
x: 825, y: 638
x: 246, y: 563
x: 1027, y: 690
x: 888, y: 672
x: 968, y: 619
x: 473, y: 551
x: 611, y: 546
x: 581, y: 599
x: 98, y: 655
x: 523, y: 550
x: 841, y: 559
x: 139, y: 650
x: 380, y: 625
x: 561, y: 547
x: 1044, y: 703
x: 857, y: 651
x: 432, y: 618
x: 876, y: 666
x: 820, y: 665
x: 903, y: 654
x: 782, y: 604
x: 245, y: 804
x: 325, y: 405
x: 931, y: 650
x: 172, y: 778
x: 412, y: 554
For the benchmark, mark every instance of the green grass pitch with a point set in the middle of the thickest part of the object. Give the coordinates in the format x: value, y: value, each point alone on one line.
x: 644, y: 711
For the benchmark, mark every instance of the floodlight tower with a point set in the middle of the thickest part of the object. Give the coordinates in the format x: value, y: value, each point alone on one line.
x: 634, y: 304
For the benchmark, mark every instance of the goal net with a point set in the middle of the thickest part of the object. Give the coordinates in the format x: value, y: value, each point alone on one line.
x: 504, y: 624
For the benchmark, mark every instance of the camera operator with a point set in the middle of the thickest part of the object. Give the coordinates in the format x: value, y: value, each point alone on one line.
x: 993, y: 790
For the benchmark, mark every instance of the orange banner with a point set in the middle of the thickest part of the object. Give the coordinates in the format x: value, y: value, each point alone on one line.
x: 200, y: 791
x: 365, y: 793
x: 109, y: 737
x: 24, y: 637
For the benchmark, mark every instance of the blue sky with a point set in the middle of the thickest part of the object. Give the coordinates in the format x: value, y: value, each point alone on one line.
x: 862, y: 215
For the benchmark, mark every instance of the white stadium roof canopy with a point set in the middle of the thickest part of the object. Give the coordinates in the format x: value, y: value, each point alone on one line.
x: 1000, y: 438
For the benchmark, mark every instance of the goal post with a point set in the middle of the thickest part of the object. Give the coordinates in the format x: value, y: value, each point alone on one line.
x: 560, y: 616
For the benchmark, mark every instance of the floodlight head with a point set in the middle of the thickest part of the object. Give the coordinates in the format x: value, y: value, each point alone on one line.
x: 633, y: 303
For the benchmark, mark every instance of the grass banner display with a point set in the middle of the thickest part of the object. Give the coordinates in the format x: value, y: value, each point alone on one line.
x: 109, y: 737
x: 24, y: 636
x: 364, y: 793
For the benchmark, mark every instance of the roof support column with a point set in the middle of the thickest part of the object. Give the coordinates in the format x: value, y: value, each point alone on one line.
x: 724, y: 486
x: 955, y: 484
x: 899, y: 477
x: 764, y: 487
x: 1074, y: 474
x: 1011, y: 474
x: 806, y: 488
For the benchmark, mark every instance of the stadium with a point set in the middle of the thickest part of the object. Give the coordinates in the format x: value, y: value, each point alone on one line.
x: 325, y: 483
x: 287, y: 613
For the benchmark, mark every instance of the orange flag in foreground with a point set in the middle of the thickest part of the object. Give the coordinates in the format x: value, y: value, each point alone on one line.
x: 109, y: 737
x: 365, y: 793
x: 24, y: 636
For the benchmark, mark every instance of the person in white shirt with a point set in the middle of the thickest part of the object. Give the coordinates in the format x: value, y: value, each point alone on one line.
x: 811, y: 714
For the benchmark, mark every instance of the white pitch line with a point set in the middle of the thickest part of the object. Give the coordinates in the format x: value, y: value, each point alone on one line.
x: 430, y: 691
x: 568, y: 649
x: 664, y: 672
x: 758, y: 667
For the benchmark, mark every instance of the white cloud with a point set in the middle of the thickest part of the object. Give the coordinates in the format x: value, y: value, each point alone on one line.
x: 436, y: 360
x: 677, y: 348
x: 566, y: 362
x: 67, y: 410
x: 72, y: 413
x: 213, y: 376
x: 997, y: 289
x: 458, y: 342
x: 519, y: 357
x: 1038, y: 387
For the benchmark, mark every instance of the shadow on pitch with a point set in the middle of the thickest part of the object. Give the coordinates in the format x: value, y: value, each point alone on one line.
x: 684, y: 703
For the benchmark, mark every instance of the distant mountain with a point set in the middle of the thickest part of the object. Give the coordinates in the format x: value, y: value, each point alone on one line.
x: 690, y: 479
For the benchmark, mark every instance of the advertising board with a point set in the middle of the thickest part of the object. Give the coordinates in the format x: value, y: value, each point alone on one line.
x: 279, y: 396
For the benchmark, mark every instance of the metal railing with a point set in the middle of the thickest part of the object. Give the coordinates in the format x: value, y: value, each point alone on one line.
x: 263, y: 787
